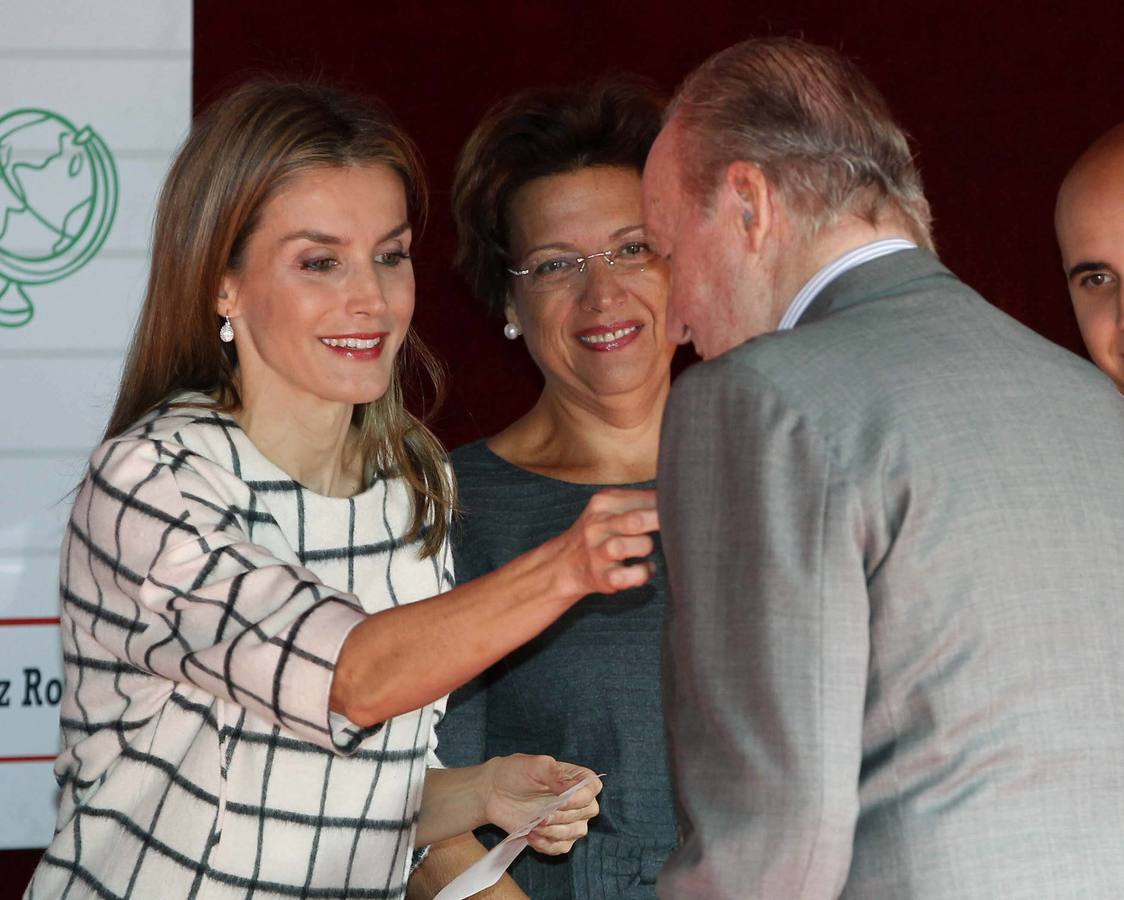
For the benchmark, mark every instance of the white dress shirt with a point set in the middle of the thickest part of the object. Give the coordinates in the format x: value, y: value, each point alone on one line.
x: 833, y: 270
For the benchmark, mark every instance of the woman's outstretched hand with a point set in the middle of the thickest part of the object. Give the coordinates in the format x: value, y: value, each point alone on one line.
x: 605, y: 550
x: 403, y: 658
x: 521, y: 785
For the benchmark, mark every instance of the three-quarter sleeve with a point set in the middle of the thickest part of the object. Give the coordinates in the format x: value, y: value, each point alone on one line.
x: 160, y: 569
x: 768, y: 641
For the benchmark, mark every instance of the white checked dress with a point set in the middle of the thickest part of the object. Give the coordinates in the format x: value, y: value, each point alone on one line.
x: 205, y: 597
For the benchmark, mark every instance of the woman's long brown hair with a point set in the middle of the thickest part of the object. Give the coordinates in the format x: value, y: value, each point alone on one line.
x: 237, y: 156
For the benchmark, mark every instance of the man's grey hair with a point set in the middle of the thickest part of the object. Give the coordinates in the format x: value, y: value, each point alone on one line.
x: 815, y: 125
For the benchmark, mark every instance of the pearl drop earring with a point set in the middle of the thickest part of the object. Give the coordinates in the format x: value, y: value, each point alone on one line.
x: 511, y: 331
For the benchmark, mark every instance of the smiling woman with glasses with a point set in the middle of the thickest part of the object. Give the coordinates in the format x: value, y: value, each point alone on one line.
x: 551, y: 237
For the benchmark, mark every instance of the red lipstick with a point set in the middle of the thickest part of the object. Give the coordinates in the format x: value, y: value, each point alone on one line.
x: 357, y: 345
x: 609, y: 338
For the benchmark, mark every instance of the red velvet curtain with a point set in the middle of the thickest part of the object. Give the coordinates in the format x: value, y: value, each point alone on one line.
x: 999, y: 97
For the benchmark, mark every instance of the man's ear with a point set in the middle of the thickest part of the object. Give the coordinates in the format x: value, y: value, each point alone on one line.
x: 746, y: 196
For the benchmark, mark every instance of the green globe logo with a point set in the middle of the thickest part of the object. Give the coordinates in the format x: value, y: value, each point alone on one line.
x: 58, y: 197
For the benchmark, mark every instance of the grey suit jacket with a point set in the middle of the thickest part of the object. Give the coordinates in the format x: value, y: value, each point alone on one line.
x: 896, y: 635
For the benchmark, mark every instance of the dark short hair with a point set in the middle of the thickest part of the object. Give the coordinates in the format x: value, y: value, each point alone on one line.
x: 533, y: 134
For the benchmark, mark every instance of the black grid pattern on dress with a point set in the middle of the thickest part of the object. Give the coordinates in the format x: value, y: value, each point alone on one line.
x: 205, y: 597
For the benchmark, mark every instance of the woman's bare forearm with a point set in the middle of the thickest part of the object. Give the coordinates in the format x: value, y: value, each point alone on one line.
x: 446, y: 860
x: 453, y: 802
x: 403, y: 658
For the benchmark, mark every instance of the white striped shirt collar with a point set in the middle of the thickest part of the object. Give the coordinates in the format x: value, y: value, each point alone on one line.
x: 833, y: 270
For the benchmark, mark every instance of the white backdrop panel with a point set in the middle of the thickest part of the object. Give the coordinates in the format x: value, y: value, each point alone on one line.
x: 25, y: 575
x: 30, y: 685
x: 128, y: 124
x: 30, y: 688
x: 73, y: 389
x: 41, y: 485
x: 122, y: 69
x: 119, y: 28
x: 30, y: 799
x: 138, y: 183
x: 82, y: 305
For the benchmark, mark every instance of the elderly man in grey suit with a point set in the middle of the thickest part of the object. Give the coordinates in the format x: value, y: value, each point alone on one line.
x: 894, y: 525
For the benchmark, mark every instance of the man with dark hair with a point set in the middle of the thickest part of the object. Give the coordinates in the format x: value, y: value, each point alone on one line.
x: 892, y: 523
x: 1090, y: 224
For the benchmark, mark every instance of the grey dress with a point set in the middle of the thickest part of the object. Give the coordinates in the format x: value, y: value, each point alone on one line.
x: 587, y: 690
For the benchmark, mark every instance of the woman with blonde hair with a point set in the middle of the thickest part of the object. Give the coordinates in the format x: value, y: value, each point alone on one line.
x: 253, y: 671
